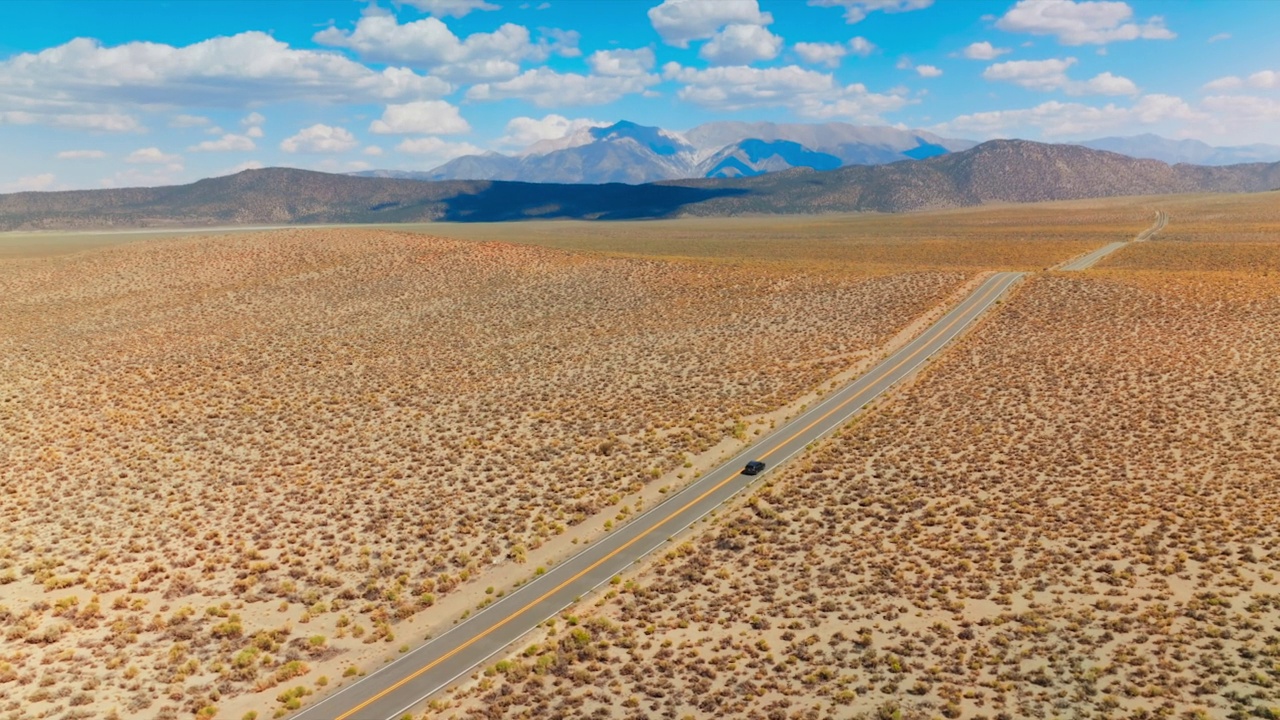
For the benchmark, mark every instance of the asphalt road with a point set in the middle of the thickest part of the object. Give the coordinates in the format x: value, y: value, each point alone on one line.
x: 1087, y: 261
x: 395, y: 688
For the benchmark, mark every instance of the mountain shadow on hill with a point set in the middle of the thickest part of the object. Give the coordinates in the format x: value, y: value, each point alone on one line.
x: 529, y: 201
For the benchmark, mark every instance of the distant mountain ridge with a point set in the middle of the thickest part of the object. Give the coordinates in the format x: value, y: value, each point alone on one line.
x: 631, y: 153
x: 1154, y: 147
x: 996, y: 171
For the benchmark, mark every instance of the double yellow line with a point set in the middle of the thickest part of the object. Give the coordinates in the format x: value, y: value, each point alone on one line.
x: 493, y: 628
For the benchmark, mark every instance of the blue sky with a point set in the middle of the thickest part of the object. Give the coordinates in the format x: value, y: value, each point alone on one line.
x: 114, y: 94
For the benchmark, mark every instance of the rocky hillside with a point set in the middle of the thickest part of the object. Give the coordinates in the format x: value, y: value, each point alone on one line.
x: 997, y: 171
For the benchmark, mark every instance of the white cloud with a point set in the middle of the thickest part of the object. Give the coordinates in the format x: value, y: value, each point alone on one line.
x: 928, y: 71
x: 679, y: 21
x: 621, y: 63
x: 1230, y: 82
x: 861, y: 46
x: 436, y: 150
x: 227, y: 143
x: 811, y: 94
x: 1269, y: 79
x: 253, y: 131
x: 253, y: 119
x: 373, y: 151
x: 1058, y: 119
x: 1051, y: 74
x: 1081, y: 23
x: 152, y: 156
x: 30, y: 183
x: 525, y: 131
x: 450, y: 8
x: 741, y: 44
x: 1244, y: 112
x: 828, y: 54
x: 1220, y: 37
x: 984, y: 51
x: 1033, y: 74
x: 83, y: 75
x: 1104, y: 84
x: 320, y: 138
x: 186, y: 121
x: 430, y: 44
x: 545, y: 87
x: 856, y: 10
x: 98, y: 122
x: 426, y: 117
x: 81, y: 155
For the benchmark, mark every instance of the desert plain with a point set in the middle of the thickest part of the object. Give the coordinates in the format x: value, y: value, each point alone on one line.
x: 242, y: 469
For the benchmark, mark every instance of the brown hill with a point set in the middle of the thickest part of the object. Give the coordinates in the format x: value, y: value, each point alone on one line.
x: 996, y: 171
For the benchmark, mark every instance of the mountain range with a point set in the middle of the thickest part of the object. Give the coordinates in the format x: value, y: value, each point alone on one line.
x: 995, y: 171
x: 631, y: 153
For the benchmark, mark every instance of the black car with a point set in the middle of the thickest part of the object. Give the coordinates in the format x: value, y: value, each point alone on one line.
x: 755, y: 467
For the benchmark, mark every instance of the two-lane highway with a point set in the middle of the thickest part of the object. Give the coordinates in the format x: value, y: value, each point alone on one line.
x: 395, y: 688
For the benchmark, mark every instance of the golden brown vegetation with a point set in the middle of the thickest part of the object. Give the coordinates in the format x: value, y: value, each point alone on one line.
x: 1072, y: 514
x: 1013, y: 237
x: 210, y: 443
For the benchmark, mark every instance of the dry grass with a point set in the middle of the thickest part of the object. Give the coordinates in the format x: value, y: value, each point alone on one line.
x: 1013, y: 237
x: 1073, y: 513
x: 217, y: 449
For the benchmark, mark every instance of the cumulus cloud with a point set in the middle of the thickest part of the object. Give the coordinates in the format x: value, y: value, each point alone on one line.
x: 425, y: 117
x: 152, y: 156
x: 621, y: 63
x: 320, y: 138
x: 29, y: 183
x: 830, y: 54
x: 1051, y: 74
x: 1268, y: 79
x: 679, y: 21
x: 81, y: 155
x: 437, y: 150
x: 545, y: 87
x: 227, y: 143
x: 372, y: 151
x: 221, y: 72
x: 430, y: 44
x: 1230, y: 82
x: 1081, y: 23
x: 857, y: 10
x: 928, y: 71
x: 525, y: 131
x: 1058, y: 119
x: 741, y: 44
x: 812, y: 94
x: 450, y: 8
x: 983, y: 51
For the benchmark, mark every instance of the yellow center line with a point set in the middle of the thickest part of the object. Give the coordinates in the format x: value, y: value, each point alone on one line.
x: 638, y: 538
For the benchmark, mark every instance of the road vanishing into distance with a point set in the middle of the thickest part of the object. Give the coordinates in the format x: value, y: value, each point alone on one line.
x: 1085, y: 262
x: 392, y: 690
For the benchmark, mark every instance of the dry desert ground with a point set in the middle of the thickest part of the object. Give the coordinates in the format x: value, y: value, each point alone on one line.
x: 1073, y: 513
x: 238, y: 465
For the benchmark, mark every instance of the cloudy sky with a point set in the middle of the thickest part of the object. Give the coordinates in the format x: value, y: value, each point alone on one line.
x: 113, y: 94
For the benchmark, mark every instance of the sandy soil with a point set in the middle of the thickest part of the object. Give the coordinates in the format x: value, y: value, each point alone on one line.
x: 239, y: 465
x: 1071, y: 514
